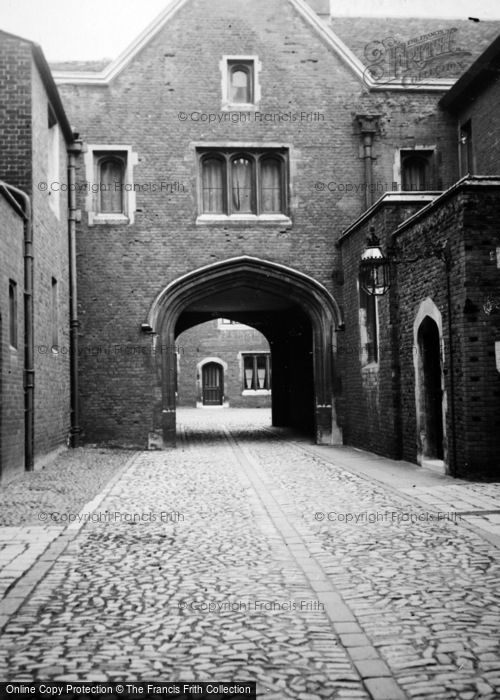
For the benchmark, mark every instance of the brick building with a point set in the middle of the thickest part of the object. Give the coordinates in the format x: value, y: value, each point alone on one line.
x: 223, y: 363
x: 35, y: 412
x: 236, y: 156
x: 430, y: 393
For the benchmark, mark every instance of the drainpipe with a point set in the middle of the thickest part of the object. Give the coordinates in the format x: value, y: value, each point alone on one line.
x: 368, y: 125
x: 22, y: 203
x: 446, y: 256
x: 73, y: 217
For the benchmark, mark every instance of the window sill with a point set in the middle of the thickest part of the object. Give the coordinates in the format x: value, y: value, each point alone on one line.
x: 244, y: 219
x: 108, y: 219
x: 256, y: 392
x: 369, y: 367
x: 240, y: 107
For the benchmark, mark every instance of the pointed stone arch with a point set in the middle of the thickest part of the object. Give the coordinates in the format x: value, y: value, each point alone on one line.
x: 264, y: 276
x: 430, y: 391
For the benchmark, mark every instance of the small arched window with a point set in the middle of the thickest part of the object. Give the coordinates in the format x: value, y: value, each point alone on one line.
x: 271, y: 186
x: 240, y: 83
x: 213, y: 179
x: 111, y: 174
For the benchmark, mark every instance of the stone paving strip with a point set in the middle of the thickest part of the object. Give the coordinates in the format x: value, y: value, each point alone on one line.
x: 36, y: 507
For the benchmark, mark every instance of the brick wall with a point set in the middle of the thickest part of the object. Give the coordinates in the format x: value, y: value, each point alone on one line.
x: 15, y: 112
x: 371, y: 392
x: 485, y: 126
x: 11, y: 360
x: 467, y: 220
x: 50, y: 246
x: 208, y: 340
x: 380, y: 400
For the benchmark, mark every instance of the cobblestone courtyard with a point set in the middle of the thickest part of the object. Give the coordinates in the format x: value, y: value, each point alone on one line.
x: 246, y: 555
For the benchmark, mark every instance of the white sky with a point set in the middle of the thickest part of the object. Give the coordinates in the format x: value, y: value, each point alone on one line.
x: 94, y: 29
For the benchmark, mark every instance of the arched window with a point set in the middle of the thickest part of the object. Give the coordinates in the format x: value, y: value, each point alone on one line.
x: 111, y: 173
x: 240, y: 83
x: 242, y: 184
x: 213, y: 178
x: 271, y: 186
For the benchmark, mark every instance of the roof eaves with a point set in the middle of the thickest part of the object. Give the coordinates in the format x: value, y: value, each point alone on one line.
x: 480, y: 66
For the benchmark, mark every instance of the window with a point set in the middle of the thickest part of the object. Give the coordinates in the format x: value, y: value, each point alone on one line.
x: 55, y: 315
x: 53, y: 162
x: 213, y: 185
x: 368, y: 326
x: 240, y: 87
x: 110, y: 177
x: 13, y: 313
x: 466, y: 165
x: 417, y: 171
x: 111, y: 199
x: 257, y: 372
x: 241, y: 82
x: 227, y: 324
x: 244, y: 184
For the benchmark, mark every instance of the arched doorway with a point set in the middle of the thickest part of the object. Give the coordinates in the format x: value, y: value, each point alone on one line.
x: 431, y: 405
x: 212, y: 384
x: 295, y: 313
x: 429, y: 386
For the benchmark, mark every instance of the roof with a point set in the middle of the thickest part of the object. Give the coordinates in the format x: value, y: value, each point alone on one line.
x: 484, y: 70
x: 49, y: 83
x: 366, y: 35
x: 348, y: 37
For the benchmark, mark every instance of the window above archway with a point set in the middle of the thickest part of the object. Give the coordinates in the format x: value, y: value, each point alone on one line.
x: 246, y: 184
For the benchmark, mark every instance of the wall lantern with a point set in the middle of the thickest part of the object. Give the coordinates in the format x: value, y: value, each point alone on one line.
x: 374, y: 273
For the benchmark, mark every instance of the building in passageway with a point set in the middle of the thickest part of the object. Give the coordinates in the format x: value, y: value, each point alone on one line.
x: 35, y: 397
x: 236, y: 157
x: 223, y: 363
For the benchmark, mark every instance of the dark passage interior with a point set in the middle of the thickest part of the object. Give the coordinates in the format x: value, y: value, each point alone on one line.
x: 288, y: 330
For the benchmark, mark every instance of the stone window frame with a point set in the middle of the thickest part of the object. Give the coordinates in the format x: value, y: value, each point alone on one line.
x: 417, y: 150
x: 366, y: 362
x: 241, y: 360
x: 95, y: 155
x: 256, y: 152
x: 252, y: 63
x: 465, y: 148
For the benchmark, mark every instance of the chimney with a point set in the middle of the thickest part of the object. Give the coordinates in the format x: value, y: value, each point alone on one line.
x: 321, y: 7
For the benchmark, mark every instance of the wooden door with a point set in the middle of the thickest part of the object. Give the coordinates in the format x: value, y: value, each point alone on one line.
x: 212, y: 384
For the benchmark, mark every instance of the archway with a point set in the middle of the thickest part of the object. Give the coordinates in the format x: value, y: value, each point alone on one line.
x: 429, y: 386
x: 297, y: 315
